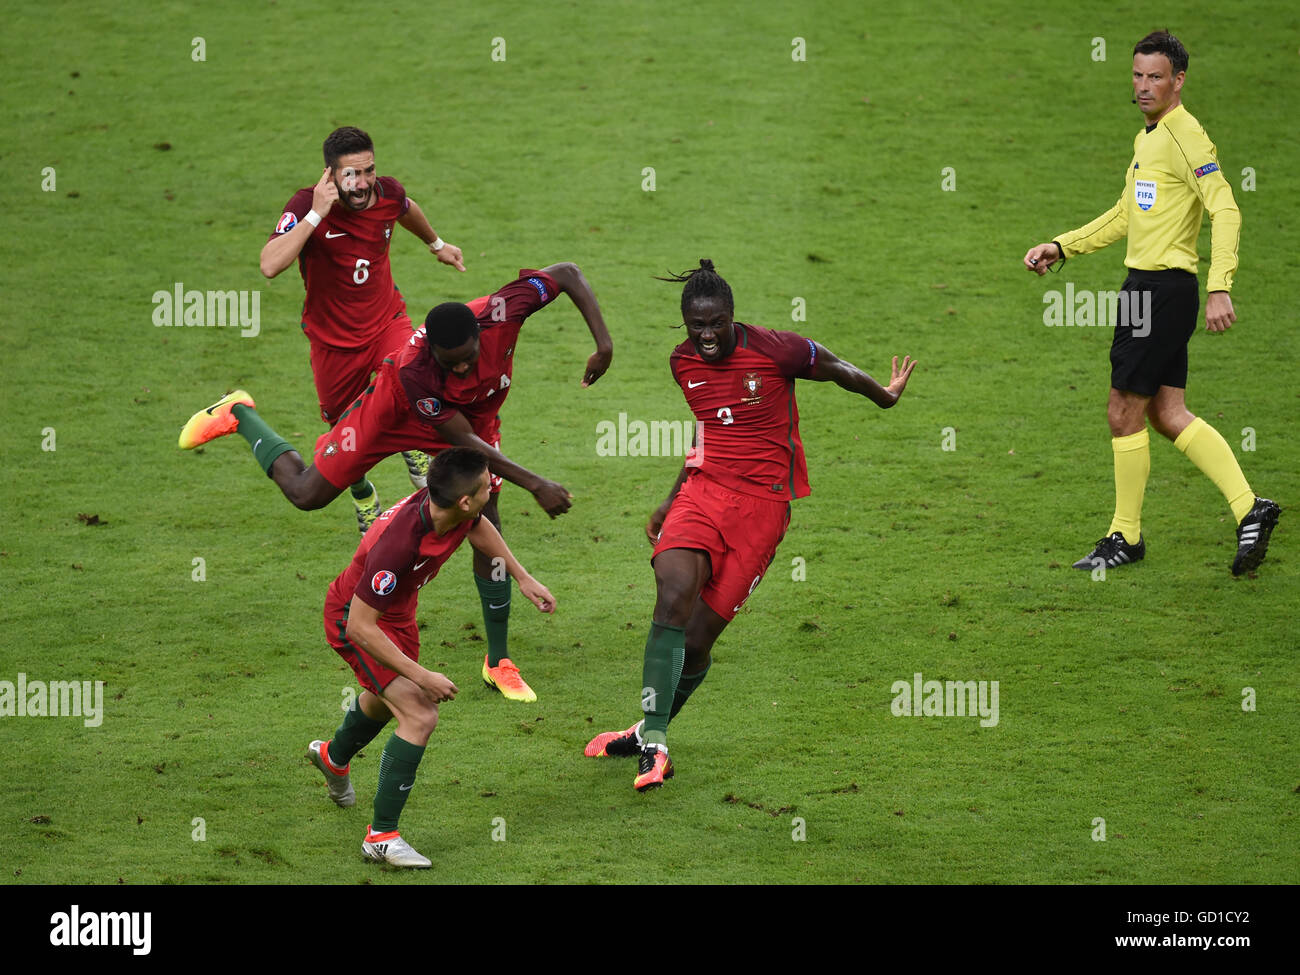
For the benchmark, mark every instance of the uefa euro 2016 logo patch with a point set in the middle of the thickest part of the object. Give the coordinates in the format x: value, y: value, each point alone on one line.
x: 1144, y: 193
x: 383, y: 582
x: 428, y: 406
x: 287, y: 223
x: 1206, y: 169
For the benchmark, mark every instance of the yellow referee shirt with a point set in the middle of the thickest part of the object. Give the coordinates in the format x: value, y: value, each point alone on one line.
x: 1174, y: 177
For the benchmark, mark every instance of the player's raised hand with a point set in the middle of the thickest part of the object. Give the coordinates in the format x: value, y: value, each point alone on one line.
x: 1219, y: 315
x: 898, y: 376
x: 597, y: 363
x: 437, y: 686
x: 324, y: 194
x: 553, y: 498
x: 449, y: 254
x: 537, y: 594
x: 1039, y: 259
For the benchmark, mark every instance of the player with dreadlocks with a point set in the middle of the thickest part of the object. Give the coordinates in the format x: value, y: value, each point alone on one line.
x: 719, y: 528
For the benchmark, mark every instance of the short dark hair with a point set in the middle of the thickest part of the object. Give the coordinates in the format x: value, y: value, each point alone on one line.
x: 454, y: 473
x: 1163, y: 42
x: 344, y: 142
x: 450, y: 325
x: 703, y: 282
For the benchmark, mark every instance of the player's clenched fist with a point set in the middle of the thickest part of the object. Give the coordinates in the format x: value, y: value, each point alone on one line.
x: 324, y: 194
x: 553, y: 498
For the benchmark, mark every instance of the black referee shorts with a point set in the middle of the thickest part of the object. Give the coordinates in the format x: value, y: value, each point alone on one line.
x: 1155, y: 318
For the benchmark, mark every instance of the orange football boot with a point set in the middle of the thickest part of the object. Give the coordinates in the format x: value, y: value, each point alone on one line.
x: 655, y: 766
x: 505, y: 678
x: 215, y: 421
x: 615, y: 744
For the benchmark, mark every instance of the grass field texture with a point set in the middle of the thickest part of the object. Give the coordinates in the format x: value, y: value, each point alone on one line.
x: 814, y: 184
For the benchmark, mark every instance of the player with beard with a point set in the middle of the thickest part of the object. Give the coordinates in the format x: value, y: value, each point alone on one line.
x: 444, y: 387
x: 719, y: 528
x: 353, y: 315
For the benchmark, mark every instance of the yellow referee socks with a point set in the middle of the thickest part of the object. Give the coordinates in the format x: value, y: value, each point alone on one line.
x: 1132, y: 465
x: 1210, y: 452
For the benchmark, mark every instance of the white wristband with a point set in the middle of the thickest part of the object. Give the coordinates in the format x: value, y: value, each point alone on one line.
x: 438, y: 243
x: 313, y: 218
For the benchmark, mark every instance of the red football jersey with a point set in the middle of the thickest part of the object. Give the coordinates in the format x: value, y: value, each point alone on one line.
x: 398, y: 554
x: 747, y: 421
x: 344, y: 266
x: 436, y: 395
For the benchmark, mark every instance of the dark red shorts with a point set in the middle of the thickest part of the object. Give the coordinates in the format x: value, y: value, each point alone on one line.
x: 378, y: 424
x: 342, y: 374
x: 371, y: 674
x: 739, y: 533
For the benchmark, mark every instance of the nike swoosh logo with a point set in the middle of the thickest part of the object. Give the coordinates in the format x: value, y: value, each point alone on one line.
x: 691, y: 385
x: 330, y: 236
x: 256, y: 445
x: 502, y: 606
x: 405, y: 788
x: 419, y: 565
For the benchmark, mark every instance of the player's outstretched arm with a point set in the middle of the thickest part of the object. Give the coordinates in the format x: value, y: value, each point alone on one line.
x: 486, y: 539
x: 282, y: 251
x: 848, y: 376
x: 417, y: 223
x: 363, y: 630
x: 553, y: 498
x: 572, y: 282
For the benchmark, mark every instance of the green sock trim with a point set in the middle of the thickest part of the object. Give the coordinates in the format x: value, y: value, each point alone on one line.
x: 266, y: 443
x: 362, y: 489
x: 686, y: 687
x: 356, y: 732
x: 665, y: 654
x: 495, y: 597
x: 397, y: 767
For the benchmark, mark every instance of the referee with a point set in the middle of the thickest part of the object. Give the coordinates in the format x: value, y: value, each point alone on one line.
x: 1174, y: 177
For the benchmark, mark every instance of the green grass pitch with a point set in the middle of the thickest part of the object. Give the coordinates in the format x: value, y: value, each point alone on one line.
x: 150, y: 148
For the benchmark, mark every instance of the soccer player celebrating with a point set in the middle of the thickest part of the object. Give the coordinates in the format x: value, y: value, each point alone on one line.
x: 353, y: 314
x: 444, y: 388
x: 1173, y: 179
x: 370, y: 623
x: 718, y: 530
